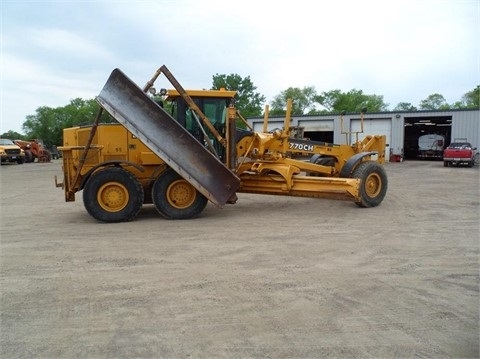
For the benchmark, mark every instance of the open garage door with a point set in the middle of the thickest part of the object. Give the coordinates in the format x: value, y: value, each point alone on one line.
x: 318, y: 130
x: 418, y: 126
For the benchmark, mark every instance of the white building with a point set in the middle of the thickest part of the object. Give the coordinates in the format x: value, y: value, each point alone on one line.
x: 401, y: 128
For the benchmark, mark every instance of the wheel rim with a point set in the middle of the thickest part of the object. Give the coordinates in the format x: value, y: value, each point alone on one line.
x: 373, y: 185
x: 113, y: 196
x: 181, y: 194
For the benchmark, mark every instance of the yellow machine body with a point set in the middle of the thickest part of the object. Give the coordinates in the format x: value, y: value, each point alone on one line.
x: 194, y: 153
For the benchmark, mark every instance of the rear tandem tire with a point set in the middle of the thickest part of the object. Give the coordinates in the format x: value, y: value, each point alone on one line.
x: 373, y: 183
x: 175, y: 198
x: 113, y: 194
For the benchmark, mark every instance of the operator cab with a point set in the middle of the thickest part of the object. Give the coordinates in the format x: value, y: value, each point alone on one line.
x: 213, y: 104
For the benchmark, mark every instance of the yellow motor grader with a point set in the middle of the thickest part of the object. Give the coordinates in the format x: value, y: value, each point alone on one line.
x: 185, y: 150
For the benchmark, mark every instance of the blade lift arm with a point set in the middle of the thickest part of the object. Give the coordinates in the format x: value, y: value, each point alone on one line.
x: 163, y: 69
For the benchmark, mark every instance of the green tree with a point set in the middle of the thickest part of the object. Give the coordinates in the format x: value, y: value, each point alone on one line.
x: 351, y: 101
x: 405, y: 106
x: 434, y: 102
x: 48, y: 123
x: 302, y: 101
x: 12, y: 135
x: 248, y: 102
x: 470, y: 100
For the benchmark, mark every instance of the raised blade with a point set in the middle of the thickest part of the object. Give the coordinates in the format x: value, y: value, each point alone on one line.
x: 144, y: 118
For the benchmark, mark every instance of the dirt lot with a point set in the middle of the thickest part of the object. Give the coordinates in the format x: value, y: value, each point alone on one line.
x: 268, y: 277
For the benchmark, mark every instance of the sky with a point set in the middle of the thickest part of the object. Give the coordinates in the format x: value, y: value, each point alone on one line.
x: 56, y: 51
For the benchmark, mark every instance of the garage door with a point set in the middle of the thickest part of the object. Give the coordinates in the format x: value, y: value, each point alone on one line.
x: 317, y: 125
x: 374, y: 127
x: 258, y: 126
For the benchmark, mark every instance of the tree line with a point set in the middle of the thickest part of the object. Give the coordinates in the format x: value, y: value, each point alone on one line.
x: 48, y: 123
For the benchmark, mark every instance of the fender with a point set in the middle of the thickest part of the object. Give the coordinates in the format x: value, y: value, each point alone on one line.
x: 106, y: 164
x: 352, y: 162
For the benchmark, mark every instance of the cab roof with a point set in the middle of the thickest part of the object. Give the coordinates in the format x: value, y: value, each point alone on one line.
x: 222, y: 93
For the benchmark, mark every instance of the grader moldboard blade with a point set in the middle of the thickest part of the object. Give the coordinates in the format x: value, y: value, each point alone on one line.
x: 144, y: 118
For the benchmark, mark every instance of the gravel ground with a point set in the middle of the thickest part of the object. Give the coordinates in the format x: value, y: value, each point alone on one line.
x: 268, y: 277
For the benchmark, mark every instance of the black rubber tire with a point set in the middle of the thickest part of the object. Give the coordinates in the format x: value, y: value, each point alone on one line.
x: 445, y: 163
x: 21, y: 161
x: 175, y: 198
x: 373, y: 183
x: 29, y: 156
x: 113, y: 194
x: 323, y: 160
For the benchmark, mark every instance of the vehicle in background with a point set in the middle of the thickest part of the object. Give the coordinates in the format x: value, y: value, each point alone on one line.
x: 10, y: 152
x: 34, y: 149
x: 431, y: 146
x: 460, y: 152
x: 56, y: 154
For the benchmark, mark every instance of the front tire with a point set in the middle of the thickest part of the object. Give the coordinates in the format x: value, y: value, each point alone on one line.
x: 373, y: 183
x: 113, y: 195
x: 28, y: 156
x: 175, y: 198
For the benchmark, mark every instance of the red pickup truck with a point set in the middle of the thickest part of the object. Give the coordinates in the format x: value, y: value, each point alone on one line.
x: 459, y: 152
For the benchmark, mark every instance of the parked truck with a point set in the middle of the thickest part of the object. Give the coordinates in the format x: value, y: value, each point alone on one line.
x: 431, y: 146
x: 460, y: 151
x: 10, y: 152
x: 195, y: 153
